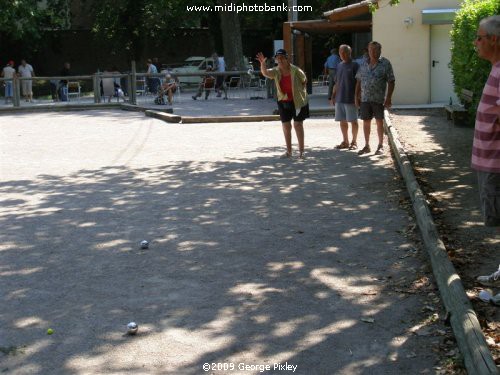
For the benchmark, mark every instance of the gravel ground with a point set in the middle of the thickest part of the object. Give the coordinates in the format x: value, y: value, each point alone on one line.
x: 253, y: 260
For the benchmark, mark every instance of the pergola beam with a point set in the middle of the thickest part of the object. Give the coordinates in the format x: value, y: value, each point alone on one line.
x: 323, y: 26
x: 350, y: 11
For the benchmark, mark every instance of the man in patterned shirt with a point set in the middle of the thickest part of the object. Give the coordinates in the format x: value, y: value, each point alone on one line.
x: 374, y: 88
x: 486, y: 144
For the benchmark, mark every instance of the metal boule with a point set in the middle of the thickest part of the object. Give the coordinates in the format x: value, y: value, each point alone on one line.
x: 132, y: 328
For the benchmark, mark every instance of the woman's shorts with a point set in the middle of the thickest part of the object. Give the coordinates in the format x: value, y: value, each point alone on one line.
x: 287, y: 112
x: 369, y: 110
x: 489, y: 193
x: 346, y: 112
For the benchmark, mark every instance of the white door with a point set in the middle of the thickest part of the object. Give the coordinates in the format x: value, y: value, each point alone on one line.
x: 441, y: 78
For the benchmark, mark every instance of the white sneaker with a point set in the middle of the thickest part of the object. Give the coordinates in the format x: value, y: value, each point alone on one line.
x: 491, y: 280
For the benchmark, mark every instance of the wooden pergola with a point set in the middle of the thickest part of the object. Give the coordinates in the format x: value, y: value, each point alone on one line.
x: 349, y: 19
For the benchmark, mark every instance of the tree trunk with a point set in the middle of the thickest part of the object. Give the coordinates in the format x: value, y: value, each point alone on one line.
x: 231, y: 38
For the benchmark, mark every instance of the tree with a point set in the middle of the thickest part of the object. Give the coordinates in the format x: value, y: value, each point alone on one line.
x: 127, y: 24
x: 469, y: 71
x: 231, y: 38
x: 27, y: 19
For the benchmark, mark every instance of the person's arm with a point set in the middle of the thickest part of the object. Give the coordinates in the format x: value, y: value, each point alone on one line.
x: 357, y: 94
x: 388, y: 98
x: 263, y: 70
x: 334, y: 93
x: 390, y: 85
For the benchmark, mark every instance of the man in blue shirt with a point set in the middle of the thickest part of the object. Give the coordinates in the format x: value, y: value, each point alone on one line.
x: 331, y: 69
x: 343, y: 97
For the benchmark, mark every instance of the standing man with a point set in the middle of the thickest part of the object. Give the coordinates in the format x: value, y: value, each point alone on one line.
x: 219, y: 67
x: 331, y: 69
x: 290, y: 82
x: 25, y: 70
x: 152, y: 82
x: 486, y: 147
x: 374, y: 88
x: 63, y: 83
x: 343, y: 97
x: 8, y: 72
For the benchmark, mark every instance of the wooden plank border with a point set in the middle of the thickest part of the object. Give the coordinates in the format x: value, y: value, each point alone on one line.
x: 463, y: 319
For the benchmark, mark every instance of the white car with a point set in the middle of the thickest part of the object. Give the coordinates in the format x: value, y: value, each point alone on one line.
x: 193, y: 64
x: 196, y: 64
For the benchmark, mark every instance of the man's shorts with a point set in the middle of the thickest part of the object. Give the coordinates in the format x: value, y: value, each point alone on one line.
x: 346, y: 112
x: 287, y: 112
x: 489, y: 193
x: 27, y: 87
x: 369, y: 110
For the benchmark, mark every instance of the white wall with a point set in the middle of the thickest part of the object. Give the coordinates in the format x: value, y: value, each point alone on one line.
x: 407, y: 47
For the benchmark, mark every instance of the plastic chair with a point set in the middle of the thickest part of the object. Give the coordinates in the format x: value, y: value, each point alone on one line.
x: 208, y: 85
x: 109, y: 89
x: 141, y: 88
x: 234, y: 84
x: 74, y: 89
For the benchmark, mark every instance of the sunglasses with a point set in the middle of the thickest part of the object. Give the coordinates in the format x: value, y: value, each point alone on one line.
x: 480, y: 37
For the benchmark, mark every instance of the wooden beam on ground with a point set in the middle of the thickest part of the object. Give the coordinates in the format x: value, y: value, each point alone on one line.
x: 167, y: 117
x: 215, y: 119
x: 463, y: 319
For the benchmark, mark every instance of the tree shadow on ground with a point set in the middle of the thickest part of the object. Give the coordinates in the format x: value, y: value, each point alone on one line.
x: 249, y: 262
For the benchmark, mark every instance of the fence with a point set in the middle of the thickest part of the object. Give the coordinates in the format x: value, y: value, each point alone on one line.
x: 133, y: 88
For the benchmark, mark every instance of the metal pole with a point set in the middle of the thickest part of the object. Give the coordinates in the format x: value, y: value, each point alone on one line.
x: 133, y: 87
x: 97, y: 89
x: 16, y: 88
x: 129, y: 88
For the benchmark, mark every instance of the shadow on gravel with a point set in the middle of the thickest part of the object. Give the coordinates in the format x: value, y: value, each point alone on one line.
x: 247, y: 259
x: 441, y: 155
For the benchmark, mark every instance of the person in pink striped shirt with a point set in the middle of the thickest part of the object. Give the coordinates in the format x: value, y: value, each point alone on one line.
x: 486, y: 145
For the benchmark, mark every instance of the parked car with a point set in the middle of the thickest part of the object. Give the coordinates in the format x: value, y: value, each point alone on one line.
x: 193, y: 64
x: 196, y: 64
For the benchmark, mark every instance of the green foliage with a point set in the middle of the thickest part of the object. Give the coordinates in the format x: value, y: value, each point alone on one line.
x: 469, y: 71
x: 127, y: 24
x: 27, y: 19
x: 373, y: 7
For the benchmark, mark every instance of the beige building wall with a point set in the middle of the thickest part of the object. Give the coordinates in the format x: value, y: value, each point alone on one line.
x: 408, y: 46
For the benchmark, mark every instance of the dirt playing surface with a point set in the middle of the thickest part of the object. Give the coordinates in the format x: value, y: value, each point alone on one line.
x: 310, y: 266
